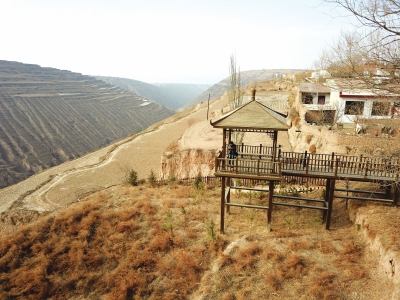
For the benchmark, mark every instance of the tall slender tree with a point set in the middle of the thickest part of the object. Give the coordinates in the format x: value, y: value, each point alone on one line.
x: 235, y: 94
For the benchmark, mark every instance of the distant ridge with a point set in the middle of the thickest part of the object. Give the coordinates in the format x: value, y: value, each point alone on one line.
x: 172, y: 95
x: 246, y: 77
x: 49, y: 116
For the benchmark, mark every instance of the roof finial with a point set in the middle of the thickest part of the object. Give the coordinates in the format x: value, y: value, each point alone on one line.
x: 253, y: 94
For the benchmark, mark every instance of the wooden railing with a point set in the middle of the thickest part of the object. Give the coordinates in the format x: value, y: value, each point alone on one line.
x: 340, y: 165
x: 257, y: 160
x: 248, y: 167
x: 256, y: 150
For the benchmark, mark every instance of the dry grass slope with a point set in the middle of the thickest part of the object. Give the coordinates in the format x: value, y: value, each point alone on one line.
x: 161, y: 243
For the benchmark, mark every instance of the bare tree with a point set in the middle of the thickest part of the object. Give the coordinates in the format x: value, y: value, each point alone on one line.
x: 235, y: 94
x: 371, y: 52
x: 379, y: 15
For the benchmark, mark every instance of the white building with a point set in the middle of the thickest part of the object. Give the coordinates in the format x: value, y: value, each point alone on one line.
x: 352, y: 99
x: 316, y: 100
x: 343, y: 101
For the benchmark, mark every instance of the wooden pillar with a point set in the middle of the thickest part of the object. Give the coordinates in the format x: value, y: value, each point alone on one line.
x: 270, y: 198
x: 224, y: 143
x: 330, y: 203
x: 228, y: 197
x: 396, y: 193
x: 327, y: 190
x: 274, y: 143
x: 388, y: 189
x: 222, y: 222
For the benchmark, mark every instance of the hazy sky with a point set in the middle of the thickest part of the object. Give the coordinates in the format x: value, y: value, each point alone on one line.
x: 185, y: 41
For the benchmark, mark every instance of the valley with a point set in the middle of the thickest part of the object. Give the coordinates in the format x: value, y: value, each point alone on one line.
x: 50, y: 116
x: 90, y: 235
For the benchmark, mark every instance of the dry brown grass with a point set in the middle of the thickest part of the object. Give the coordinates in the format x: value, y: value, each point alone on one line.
x: 114, y: 245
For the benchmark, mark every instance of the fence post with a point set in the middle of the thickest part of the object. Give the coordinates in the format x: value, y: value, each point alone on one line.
x: 236, y: 162
x: 330, y: 203
x: 366, y: 169
x: 270, y: 199
x: 304, y: 158
x: 396, y: 193
x: 337, y: 165
x: 222, y: 217
x: 279, y: 152
x: 333, y: 159
x: 307, y: 164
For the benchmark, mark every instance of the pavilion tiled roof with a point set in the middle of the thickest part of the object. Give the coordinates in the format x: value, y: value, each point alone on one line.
x: 253, y: 116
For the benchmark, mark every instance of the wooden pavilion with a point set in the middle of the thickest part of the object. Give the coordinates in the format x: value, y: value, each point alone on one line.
x: 266, y: 163
x: 252, y: 162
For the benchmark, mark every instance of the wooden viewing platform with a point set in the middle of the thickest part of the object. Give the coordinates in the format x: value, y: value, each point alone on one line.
x: 269, y: 163
x: 256, y: 163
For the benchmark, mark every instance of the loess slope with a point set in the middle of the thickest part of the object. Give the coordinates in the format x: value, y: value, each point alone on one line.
x: 50, y: 116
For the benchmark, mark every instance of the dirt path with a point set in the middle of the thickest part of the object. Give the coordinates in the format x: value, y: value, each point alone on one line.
x: 73, y: 180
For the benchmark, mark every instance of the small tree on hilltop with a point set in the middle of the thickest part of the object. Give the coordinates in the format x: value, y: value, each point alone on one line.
x: 152, y: 180
x: 132, y: 178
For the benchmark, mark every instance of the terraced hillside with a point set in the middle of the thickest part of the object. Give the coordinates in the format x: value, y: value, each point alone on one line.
x: 173, y: 95
x: 49, y: 116
x: 246, y: 78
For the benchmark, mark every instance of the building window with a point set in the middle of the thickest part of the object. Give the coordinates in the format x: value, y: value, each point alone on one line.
x: 307, y: 98
x: 354, y: 108
x: 380, y: 108
x: 321, y: 100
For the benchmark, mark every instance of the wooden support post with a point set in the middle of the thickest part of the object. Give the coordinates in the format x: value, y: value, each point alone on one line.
x: 330, y: 203
x: 388, y: 189
x: 336, y: 166
x: 224, y: 148
x: 237, y: 165
x: 327, y: 190
x: 366, y: 169
x: 228, y: 197
x: 222, y: 219
x: 304, y: 159
x: 396, y: 191
x: 333, y: 159
x: 270, y: 198
x: 307, y: 164
x: 274, y: 143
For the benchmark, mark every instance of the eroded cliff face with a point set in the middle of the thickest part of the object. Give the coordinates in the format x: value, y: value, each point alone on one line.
x: 342, y: 141
x: 188, y: 163
x: 324, y: 140
x: 368, y: 220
